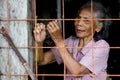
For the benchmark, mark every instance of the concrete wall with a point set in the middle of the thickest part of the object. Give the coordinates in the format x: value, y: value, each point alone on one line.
x: 21, y: 34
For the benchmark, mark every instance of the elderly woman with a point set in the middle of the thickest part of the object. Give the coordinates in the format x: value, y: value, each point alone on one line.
x: 84, y: 55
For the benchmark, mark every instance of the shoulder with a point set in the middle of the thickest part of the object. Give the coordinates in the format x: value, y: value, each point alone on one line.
x: 101, y: 47
x: 102, y: 43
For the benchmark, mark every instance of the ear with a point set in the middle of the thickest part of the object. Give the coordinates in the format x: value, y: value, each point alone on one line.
x: 99, y: 26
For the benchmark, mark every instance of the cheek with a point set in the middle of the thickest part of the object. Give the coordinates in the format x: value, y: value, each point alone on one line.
x: 75, y: 23
x: 89, y: 30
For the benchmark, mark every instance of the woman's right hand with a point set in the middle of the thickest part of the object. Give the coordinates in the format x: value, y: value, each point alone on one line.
x: 39, y: 32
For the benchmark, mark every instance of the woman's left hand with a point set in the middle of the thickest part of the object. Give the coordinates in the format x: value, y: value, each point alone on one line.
x: 55, y: 32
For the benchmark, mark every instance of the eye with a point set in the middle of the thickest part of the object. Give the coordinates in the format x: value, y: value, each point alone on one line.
x: 87, y: 21
x: 78, y: 17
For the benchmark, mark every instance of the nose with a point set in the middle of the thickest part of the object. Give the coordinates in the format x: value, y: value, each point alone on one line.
x: 79, y: 22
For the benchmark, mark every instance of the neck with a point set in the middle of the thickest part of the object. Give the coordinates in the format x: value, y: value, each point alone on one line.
x: 84, y: 41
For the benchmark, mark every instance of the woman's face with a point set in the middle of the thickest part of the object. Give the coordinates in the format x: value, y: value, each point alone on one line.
x: 84, y: 25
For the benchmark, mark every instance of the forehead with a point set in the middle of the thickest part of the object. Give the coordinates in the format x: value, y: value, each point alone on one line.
x: 86, y: 13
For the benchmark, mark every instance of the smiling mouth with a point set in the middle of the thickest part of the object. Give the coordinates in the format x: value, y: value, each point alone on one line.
x: 79, y: 31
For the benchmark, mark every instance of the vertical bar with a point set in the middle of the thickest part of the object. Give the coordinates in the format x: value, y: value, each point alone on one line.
x: 92, y: 39
x: 35, y: 21
x: 63, y: 33
x: 7, y: 13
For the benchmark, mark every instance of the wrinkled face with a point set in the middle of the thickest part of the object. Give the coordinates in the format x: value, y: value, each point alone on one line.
x: 85, y: 27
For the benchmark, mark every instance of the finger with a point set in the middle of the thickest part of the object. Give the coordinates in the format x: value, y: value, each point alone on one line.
x: 36, y: 29
x: 36, y: 25
x: 34, y: 33
x: 52, y: 25
x: 55, y: 23
x: 49, y: 28
x: 39, y: 27
x: 42, y: 26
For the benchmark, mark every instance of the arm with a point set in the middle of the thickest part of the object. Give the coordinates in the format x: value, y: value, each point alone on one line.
x: 72, y: 65
x: 39, y: 34
x: 48, y: 58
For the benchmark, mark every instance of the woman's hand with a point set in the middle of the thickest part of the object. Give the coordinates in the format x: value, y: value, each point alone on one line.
x: 39, y: 32
x: 55, y: 32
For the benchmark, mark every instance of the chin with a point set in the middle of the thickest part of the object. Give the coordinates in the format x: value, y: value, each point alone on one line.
x: 80, y: 36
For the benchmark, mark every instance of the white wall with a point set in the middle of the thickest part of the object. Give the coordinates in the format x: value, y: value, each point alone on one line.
x: 21, y: 34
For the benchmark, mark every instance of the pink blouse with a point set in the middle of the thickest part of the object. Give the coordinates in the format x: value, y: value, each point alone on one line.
x: 93, y: 56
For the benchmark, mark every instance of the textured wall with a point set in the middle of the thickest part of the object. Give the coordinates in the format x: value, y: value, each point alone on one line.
x: 21, y: 34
